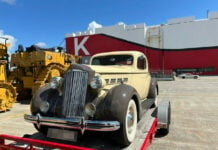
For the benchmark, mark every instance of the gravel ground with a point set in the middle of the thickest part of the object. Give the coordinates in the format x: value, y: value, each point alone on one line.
x: 194, y: 119
x: 12, y: 122
x: 194, y: 124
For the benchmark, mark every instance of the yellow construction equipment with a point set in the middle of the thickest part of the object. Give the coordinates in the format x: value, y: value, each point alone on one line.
x: 8, y: 93
x: 29, y: 70
x: 35, y: 67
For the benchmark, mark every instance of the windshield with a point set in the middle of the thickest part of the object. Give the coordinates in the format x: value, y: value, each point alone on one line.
x: 113, y: 60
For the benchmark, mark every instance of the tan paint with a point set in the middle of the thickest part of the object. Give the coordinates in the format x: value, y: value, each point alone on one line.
x: 137, y: 78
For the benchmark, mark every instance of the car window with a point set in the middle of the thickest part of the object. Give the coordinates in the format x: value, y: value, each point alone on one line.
x: 113, y: 60
x: 141, y: 62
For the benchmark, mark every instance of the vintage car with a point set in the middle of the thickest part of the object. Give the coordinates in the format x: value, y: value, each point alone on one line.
x: 109, y: 94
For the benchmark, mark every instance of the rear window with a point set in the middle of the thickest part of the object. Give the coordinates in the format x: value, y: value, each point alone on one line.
x: 113, y: 60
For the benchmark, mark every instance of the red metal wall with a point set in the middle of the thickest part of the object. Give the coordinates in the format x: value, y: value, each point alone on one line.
x: 159, y: 59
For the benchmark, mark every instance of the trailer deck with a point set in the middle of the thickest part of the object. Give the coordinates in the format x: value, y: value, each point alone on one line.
x: 145, y: 133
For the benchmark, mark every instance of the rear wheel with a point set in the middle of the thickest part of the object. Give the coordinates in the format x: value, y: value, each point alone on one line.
x: 8, y: 96
x: 129, y: 124
x: 155, y: 99
x: 153, y: 93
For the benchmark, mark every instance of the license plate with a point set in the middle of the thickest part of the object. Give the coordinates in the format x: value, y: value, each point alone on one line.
x: 62, y: 134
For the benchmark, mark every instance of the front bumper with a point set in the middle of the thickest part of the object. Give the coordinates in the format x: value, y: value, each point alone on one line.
x: 73, y: 123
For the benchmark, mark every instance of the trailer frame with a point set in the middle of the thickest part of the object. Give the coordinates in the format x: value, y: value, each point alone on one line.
x: 11, y: 142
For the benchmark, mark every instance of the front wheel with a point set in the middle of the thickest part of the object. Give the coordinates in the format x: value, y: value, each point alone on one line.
x: 129, y: 124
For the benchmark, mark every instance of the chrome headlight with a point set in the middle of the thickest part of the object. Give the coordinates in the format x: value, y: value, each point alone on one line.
x: 56, y: 82
x: 96, y: 82
x: 44, y: 106
x: 90, y: 109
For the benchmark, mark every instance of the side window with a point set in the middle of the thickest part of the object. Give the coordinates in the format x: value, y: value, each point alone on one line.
x: 141, y: 62
x: 85, y: 60
x: 96, y: 62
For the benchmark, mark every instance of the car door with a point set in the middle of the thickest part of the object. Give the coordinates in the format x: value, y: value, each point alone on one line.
x: 142, y: 78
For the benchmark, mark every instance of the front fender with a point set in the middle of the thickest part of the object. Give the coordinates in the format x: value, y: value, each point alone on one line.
x: 114, y: 105
x: 50, y: 95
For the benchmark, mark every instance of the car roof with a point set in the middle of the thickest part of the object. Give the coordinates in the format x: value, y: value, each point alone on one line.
x: 131, y: 52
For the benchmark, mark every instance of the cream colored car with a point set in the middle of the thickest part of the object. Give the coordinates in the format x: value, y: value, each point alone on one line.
x: 109, y: 94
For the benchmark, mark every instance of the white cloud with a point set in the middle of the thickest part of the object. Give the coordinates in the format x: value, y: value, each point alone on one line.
x: 11, y: 40
x: 121, y: 23
x: 93, y: 25
x: 10, y: 2
x: 41, y: 44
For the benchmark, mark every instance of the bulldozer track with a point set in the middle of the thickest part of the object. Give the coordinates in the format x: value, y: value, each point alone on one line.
x: 7, y: 102
x: 44, y: 74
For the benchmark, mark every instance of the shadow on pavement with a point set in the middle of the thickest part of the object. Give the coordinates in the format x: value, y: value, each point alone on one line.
x: 96, y: 140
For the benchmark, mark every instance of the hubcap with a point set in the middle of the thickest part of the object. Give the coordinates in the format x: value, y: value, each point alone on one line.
x: 131, y: 121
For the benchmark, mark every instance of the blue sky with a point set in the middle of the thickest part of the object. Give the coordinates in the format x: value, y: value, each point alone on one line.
x: 47, y: 22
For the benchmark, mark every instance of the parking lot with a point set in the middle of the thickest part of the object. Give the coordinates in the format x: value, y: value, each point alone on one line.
x: 194, y: 124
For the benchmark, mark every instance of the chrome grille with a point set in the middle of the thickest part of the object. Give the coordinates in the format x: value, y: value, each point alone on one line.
x: 75, y: 87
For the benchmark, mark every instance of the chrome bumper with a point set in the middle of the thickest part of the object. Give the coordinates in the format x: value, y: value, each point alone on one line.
x: 73, y: 123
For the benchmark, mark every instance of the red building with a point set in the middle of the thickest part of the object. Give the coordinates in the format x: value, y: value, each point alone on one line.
x: 202, y: 60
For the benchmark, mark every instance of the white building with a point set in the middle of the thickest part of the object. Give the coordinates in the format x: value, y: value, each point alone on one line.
x: 175, y: 34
